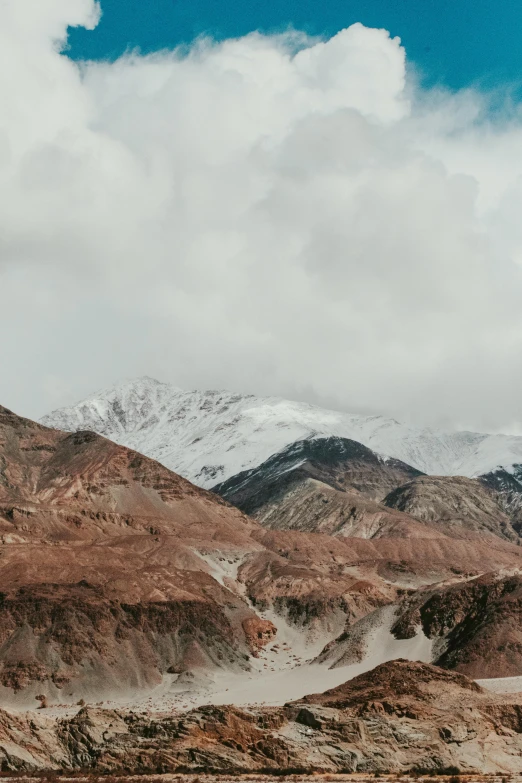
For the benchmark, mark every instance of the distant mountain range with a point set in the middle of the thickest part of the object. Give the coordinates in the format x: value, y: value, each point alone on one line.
x: 210, y: 436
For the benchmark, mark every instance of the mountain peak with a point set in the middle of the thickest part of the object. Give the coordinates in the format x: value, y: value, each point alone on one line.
x: 142, y: 383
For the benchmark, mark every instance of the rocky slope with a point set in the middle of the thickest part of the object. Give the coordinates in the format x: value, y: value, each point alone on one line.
x: 309, y: 505
x: 338, y: 462
x: 331, y: 485
x: 506, y: 487
x: 477, y: 624
x: 341, y: 463
x: 455, y: 505
x: 209, y: 436
x: 401, y: 716
x: 472, y: 626
x: 326, y: 485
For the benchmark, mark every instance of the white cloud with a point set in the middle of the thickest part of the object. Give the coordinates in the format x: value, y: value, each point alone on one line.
x: 274, y: 214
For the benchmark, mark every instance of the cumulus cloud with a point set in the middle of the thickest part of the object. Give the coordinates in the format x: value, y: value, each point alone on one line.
x: 274, y: 214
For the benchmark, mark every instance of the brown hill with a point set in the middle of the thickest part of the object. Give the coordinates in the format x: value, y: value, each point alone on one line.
x: 315, y: 507
x: 455, y: 504
x: 404, y: 562
x: 326, y: 485
x: 477, y: 624
x: 102, y: 584
x: 81, y: 486
x: 343, y: 489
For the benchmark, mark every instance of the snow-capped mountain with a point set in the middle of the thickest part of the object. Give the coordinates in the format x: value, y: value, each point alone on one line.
x: 209, y: 436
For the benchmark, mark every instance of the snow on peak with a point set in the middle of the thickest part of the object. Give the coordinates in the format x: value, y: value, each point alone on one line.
x: 209, y: 436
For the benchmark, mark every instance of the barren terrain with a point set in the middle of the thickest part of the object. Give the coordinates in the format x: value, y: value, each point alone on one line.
x: 147, y: 625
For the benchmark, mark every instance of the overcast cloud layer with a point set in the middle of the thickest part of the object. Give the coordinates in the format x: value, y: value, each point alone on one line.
x: 271, y: 214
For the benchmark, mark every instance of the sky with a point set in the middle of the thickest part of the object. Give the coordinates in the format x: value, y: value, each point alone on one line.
x: 457, y: 44
x: 321, y: 211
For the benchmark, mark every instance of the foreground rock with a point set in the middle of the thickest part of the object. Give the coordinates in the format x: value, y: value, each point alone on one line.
x: 401, y: 716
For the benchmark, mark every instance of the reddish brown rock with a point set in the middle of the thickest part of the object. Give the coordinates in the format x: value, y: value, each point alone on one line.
x: 401, y: 717
x: 258, y: 633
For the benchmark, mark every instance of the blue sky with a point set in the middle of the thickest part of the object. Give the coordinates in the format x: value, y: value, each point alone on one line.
x: 453, y: 42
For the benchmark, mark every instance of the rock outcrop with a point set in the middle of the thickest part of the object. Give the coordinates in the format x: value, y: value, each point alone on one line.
x: 402, y: 716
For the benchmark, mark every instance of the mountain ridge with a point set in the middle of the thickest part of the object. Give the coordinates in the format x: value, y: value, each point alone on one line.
x: 209, y: 436
x: 328, y: 485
